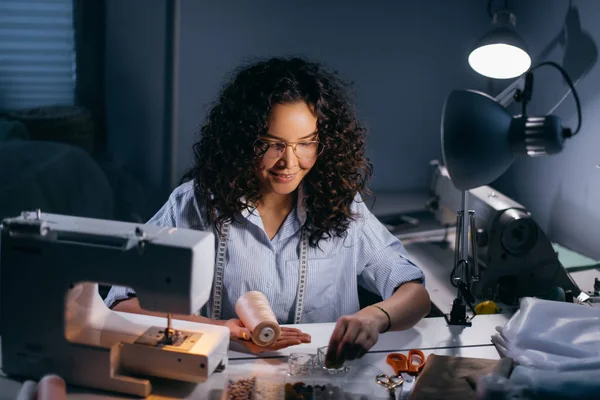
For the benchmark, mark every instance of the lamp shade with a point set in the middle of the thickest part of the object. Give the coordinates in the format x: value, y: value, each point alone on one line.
x: 501, y: 53
x: 475, y: 139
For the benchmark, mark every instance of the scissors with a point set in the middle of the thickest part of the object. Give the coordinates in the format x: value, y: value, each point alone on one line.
x: 390, y: 382
x: 411, y: 365
x: 407, y: 365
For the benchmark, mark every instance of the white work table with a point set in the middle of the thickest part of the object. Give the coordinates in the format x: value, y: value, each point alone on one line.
x: 432, y: 335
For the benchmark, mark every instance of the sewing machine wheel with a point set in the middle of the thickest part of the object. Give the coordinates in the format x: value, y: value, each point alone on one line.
x: 519, y: 236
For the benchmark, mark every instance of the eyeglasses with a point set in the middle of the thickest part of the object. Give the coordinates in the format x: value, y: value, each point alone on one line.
x: 302, y: 150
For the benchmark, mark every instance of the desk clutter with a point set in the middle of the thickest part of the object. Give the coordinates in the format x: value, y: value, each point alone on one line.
x: 261, y: 388
x: 455, y: 378
x: 279, y: 388
x: 307, y: 377
x: 414, y: 378
x: 549, y: 350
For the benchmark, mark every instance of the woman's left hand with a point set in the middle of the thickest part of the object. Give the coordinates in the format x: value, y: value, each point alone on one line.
x: 289, y: 337
x: 352, y: 337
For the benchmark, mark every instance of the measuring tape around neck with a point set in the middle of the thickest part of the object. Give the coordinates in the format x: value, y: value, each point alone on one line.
x: 217, y: 295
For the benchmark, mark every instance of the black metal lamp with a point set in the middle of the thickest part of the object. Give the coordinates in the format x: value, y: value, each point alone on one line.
x: 480, y: 139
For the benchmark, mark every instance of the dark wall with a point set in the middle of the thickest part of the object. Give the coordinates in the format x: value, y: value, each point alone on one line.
x: 404, y: 58
x: 135, y: 86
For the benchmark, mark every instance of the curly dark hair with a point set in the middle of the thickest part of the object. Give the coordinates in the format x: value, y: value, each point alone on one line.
x: 226, y: 158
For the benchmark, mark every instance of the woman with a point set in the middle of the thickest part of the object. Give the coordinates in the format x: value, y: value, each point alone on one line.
x: 279, y: 173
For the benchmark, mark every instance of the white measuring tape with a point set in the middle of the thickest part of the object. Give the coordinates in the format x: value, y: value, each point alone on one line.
x: 220, y: 266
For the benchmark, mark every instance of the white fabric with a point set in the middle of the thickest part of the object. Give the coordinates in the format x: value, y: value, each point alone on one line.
x: 538, y: 384
x: 552, y: 335
x: 557, y: 348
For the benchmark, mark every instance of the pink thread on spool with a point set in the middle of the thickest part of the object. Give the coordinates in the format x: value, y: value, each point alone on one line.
x: 52, y: 387
x: 255, y: 312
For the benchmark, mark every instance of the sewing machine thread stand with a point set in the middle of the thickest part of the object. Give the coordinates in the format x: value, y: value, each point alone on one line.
x: 463, y: 273
x: 169, y: 332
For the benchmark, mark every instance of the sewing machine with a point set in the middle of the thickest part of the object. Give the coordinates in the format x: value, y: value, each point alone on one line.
x: 516, y: 258
x: 53, y: 320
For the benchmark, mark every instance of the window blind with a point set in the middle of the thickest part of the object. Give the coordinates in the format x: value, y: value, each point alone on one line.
x: 37, y: 53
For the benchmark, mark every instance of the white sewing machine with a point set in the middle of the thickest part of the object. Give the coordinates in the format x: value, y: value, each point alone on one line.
x: 53, y: 320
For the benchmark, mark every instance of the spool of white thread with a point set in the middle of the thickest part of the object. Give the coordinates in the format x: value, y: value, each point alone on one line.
x: 255, y: 312
x: 52, y: 387
x: 28, y: 391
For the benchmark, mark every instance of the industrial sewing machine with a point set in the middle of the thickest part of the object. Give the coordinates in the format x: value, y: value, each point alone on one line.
x: 515, y: 257
x: 53, y: 320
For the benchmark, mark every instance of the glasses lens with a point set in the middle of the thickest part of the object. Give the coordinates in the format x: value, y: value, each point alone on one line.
x: 305, y: 150
x: 308, y: 149
x: 260, y: 147
x: 274, y: 150
x: 268, y: 150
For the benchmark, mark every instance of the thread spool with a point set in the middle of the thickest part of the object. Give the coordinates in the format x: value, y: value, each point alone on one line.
x: 255, y: 312
x: 28, y: 391
x: 52, y: 387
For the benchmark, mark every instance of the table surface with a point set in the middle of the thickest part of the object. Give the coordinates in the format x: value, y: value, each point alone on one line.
x: 432, y: 335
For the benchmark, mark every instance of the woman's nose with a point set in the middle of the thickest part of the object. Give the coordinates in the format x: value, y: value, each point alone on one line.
x: 288, y: 158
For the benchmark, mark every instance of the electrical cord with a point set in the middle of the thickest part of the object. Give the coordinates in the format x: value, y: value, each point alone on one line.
x: 566, y: 77
x: 462, y: 263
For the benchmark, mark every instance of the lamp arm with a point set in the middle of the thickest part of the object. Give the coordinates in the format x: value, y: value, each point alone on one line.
x: 507, y: 96
x: 524, y: 96
x: 517, y: 90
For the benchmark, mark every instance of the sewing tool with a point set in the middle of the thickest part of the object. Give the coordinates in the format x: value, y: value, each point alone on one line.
x: 390, y: 382
x: 254, y: 311
x: 411, y: 365
x: 404, y: 364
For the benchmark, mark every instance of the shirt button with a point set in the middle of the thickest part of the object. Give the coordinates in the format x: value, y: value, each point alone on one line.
x: 269, y: 284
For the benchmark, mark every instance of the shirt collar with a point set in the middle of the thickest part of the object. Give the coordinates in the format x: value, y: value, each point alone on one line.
x: 300, y: 210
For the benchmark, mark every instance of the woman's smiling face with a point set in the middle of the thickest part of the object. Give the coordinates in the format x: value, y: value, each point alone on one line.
x: 291, y: 123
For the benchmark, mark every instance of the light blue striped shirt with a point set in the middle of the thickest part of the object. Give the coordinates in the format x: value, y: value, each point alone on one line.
x: 369, y: 256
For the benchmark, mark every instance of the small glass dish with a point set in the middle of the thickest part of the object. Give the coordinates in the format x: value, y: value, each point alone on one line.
x: 300, y: 364
x: 331, y: 369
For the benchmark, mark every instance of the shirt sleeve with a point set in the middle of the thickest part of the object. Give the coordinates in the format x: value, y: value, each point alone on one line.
x: 382, y: 262
x: 179, y: 210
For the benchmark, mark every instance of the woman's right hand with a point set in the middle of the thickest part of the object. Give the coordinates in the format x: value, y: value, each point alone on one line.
x: 289, y: 337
